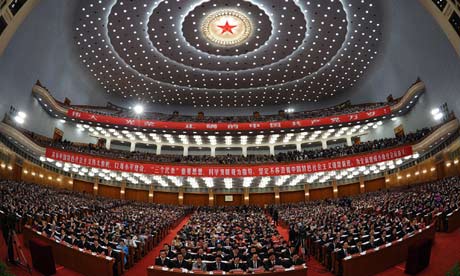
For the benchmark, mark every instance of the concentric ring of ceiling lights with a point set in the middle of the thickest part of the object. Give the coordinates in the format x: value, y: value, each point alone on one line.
x: 294, y: 51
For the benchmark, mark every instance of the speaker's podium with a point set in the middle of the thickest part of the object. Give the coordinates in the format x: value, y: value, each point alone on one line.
x: 418, y: 257
x: 42, y: 257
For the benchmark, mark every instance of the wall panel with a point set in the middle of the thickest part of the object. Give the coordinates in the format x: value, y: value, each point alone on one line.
x: 260, y: 199
x: 348, y: 190
x: 288, y: 197
x: 196, y: 199
x: 374, y: 185
x: 166, y: 198
x: 83, y: 186
x: 322, y: 193
x: 137, y: 195
x: 220, y: 200
x: 109, y: 191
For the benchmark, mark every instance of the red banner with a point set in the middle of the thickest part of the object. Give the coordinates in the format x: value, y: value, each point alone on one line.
x: 152, y: 124
x: 230, y: 171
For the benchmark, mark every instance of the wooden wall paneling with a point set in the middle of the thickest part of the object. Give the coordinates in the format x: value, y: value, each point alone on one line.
x: 196, y: 199
x: 375, y: 184
x: 261, y: 199
x: 137, y: 195
x: 292, y: 197
x: 83, y: 186
x: 166, y: 198
x: 220, y: 200
x: 348, y: 190
x: 322, y: 193
x: 108, y: 191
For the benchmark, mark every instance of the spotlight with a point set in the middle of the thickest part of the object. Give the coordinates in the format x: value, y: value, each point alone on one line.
x: 435, y: 111
x: 20, y: 117
x: 138, y: 109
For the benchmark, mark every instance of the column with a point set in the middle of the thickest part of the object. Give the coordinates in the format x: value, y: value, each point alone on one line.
x: 362, y: 187
x: 246, y: 196
x: 108, y: 143
x: 151, y: 191
x: 244, y: 150
x: 298, y: 147
x: 133, y: 147
x: 211, y: 197
x: 213, y: 151
x: 387, y: 180
x: 272, y: 149
x: 185, y: 150
x: 122, y: 189
x: 335, y: 190
x: 277, y: 195
x: 181, y: 196
x: 306, y: 187
x: 158, y: 152
x: 95, y: 186
x: 324, y: 144
x: 349, y: 142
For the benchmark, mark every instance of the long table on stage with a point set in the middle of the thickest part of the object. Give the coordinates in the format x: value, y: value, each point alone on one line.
x: 386, y: 256
x: 160, y: 271
x: 74, y: 259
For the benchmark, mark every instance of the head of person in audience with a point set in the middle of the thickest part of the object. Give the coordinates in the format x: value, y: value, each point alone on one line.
x: 199, y: 260
x: 162, y: 254
x: 255, y: 257
x: 180, y: 257
x: 183, y: 251
x: 218, y: 259
x: 166, y: 247
x: 345, y: 245
x: 236, y: 260
x: 200, y: 251
x: 271, y: 257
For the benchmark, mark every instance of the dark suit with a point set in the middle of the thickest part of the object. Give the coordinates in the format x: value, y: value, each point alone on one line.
x: 215, y: 266
x: 290, y: 262
x: 164, y: 263
x: 177, y: 264
x: 239, y: 266
x: 270, y: 264
x: 83, y: 245
x: 252, y: 265
x: 97, y: 249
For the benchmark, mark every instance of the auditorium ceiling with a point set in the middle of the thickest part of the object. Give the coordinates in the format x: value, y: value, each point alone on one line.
x: 215, y: 53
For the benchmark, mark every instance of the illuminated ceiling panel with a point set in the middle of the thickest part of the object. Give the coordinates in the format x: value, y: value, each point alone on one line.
x: 228, y: 53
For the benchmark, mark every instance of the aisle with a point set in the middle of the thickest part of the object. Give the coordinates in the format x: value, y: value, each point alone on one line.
x: 314, y: 267
x: 140, y: 268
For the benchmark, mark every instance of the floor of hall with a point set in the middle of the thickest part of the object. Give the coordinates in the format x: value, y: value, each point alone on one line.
x: 444, y: 255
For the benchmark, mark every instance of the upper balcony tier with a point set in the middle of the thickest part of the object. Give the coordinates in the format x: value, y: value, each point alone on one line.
x: 339, y: 115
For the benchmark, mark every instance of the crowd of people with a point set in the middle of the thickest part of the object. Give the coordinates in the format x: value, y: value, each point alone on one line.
x: 353, y: 225
x: 228, y: 239
x: 281, y: 157
x: 100, y: 225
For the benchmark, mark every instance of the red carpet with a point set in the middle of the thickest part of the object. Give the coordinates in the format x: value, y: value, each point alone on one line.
x: 140, y: 268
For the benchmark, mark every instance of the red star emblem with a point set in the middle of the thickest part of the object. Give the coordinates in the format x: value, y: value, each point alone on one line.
x: 226, y: 28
